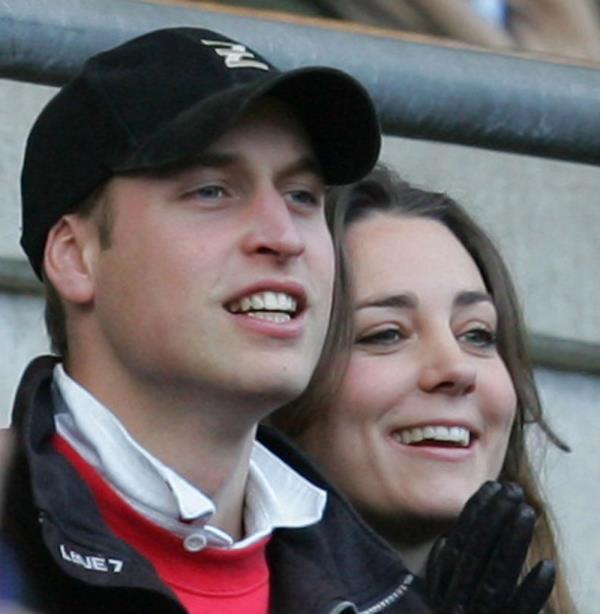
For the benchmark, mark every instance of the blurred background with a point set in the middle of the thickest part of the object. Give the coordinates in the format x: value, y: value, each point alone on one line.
x: 543, y: 213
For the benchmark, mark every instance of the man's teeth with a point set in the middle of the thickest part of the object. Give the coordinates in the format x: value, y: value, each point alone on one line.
x: 264, y: 305
x: 453, y: 434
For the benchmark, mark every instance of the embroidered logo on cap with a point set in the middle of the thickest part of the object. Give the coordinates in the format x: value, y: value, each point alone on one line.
x: 93, y: 563
x: 236, y: 55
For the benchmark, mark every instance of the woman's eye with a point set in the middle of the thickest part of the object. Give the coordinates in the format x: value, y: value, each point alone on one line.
x: 480, y: 337
x: 389, y: 336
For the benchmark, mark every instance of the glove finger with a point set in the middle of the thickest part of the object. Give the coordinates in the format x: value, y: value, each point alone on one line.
x: 535, y: 590
x: 499, y: 580
x: 445, y: 558
x: 446, y: 551
x: 470, y: 570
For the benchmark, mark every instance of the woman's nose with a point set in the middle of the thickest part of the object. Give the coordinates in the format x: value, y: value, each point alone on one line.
x: 447, y: 369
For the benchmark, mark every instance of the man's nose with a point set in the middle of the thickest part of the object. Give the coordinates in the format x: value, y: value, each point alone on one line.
x: 272, y: 229
x: 446, y: 368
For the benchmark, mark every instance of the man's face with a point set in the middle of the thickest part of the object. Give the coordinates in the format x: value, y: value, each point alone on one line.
x: 218, y: 278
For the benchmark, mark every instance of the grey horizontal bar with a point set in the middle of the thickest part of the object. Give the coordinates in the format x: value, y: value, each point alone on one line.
x: 423, y: 91
x: 552, y: 352
x: 16, y: 276
x: 565, y: 354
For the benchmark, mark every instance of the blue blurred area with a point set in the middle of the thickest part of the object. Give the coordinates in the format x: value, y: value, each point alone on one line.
x: 494, y: 11
x: 11, y: 579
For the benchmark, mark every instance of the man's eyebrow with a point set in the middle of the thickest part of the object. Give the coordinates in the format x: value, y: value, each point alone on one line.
x: 205, y: 160
x: 397, y: 301
x: 472, y: 297
x: 304, y: 164
x: 215, y: 159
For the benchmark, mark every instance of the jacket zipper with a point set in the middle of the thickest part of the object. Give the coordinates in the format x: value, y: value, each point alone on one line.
x: 381, y: 605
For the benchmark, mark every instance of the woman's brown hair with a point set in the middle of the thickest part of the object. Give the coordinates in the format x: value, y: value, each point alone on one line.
x: 384, y: 192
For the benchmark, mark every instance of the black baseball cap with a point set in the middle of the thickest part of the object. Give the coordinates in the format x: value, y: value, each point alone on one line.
x: 159, y: 100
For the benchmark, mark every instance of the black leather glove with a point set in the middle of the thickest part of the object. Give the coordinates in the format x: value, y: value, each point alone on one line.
x: 475, y: 568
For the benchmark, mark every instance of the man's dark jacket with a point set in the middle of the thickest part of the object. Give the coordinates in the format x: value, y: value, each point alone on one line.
x: 70, y: 560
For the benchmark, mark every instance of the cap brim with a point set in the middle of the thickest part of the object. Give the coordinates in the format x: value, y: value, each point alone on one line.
x: 336, y: 111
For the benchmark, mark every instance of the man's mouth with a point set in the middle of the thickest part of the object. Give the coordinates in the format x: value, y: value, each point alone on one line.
x: 278, y: 307
x: 453, y: 436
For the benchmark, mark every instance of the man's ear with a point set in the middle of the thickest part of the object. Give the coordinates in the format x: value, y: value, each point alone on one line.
x: 69, y: 257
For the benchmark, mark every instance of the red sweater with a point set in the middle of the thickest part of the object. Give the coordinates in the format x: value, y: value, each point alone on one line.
x: 210, y: 581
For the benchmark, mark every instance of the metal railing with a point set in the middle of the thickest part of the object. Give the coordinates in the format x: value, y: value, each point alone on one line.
x: 443, y: 93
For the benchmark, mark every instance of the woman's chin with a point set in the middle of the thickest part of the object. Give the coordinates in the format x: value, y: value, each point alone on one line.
x: 436, y: 506
x: 441, y: 501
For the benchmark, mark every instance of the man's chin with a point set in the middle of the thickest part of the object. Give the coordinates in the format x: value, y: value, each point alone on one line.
x: 271, y: 393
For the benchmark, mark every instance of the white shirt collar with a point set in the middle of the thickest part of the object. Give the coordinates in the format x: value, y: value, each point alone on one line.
x: 276, y: 496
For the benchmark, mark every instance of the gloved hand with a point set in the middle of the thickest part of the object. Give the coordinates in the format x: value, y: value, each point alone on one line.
x: 475, y: 568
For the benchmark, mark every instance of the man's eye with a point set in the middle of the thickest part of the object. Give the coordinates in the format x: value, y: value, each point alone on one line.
x: 389, y: 336
x: 210, y: 191
x: 303, y: 197
x: 480, y: 337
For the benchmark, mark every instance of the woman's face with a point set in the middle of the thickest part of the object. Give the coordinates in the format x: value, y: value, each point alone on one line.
x: 425, y: 410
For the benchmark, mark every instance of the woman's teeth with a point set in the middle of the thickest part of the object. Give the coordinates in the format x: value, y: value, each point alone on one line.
x: 456, y: 435
x: 278, y: 318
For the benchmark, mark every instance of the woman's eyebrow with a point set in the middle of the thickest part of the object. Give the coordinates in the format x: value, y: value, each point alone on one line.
x: 472, y: 297
x: 397, y: 301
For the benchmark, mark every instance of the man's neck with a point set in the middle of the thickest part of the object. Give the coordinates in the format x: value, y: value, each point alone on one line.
x: 207, y: 443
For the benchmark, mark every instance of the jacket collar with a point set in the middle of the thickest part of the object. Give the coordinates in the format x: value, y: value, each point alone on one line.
x: 353, y: 567
x: 326, y: 567
x: 73, y: 530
